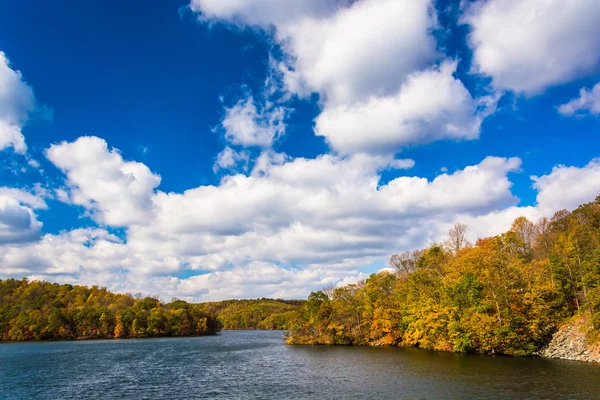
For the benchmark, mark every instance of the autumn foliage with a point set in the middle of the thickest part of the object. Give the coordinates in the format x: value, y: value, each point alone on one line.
x: 42, y: 310
x: 505, y: 294
x: 255, y: 314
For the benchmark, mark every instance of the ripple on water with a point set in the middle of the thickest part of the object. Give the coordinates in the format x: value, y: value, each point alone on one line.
x: 257, y: 365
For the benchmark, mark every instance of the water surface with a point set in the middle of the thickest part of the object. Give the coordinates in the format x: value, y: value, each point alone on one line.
x: 257, y: 365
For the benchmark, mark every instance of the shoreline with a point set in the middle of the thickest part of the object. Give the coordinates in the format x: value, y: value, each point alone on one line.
x: 570, y: 342
x: 563, y: 346
x: 106, y: 339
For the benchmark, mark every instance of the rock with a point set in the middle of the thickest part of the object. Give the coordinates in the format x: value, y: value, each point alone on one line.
x: 570, y: 342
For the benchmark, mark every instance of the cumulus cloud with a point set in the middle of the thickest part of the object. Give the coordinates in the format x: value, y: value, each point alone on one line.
x: 367, y: 49
x: 588, y: 102
x: 247, y: 126
x: 567, y: 187
x: 309, y: 221
x: 281, y: 226
x: 68, y: 254
x: 263, y: 13
x: 332, y: 45
x: 530, y: 45
x: 382, y: 83
x: 288, y: 226
x: 114, y: 191
x: 257, y: 278
x: 430, y: 106
x: 18, y: 220
x: 229, y: 159
x: 17, y: 101
x: 345, y: 50
x: 33, y: 199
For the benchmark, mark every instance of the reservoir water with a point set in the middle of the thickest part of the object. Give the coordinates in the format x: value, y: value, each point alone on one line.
x: 258, y: 365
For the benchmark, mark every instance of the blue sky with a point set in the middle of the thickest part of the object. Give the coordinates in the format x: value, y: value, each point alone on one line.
x: 249, y: 135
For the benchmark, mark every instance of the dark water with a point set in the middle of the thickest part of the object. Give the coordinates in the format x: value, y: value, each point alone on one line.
x: 257, y: 365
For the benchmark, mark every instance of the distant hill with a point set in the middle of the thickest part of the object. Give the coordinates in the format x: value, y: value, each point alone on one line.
x: 49, y: 311
x: 260, y: 314
x: 42, y: 310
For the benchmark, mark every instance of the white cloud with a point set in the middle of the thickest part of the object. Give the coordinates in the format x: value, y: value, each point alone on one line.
x: 229, y: 159
x: 373, y: 63
x: 115, y: 192
x: 247, y: 126
x: 567, y: 187
x: 16, y: 102
x: 258, y: 278
x: 33, y: 199
x: 495, y: 222
x: 332, y: 44
x: 430, y: 106
x: 18, y: 221
x: 328, y: 215
x: 262, y: 12
x: 530, y: 45
x: 364, y: 50
x: 287, y: 227
x: 588, y: 102
x: 11, y: 136
x: 68, y: 253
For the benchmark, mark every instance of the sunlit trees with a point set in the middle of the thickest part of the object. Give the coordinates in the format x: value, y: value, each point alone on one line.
x: 268, y: 314
x: 505, y: 294
x: 42, y: 310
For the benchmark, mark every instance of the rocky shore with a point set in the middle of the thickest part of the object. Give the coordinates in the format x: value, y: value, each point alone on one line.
x: 571, y: 342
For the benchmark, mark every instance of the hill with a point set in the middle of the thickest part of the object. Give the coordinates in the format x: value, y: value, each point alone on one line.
x: 42, y: 310
x: 260, y: 314
x: 505, y: 294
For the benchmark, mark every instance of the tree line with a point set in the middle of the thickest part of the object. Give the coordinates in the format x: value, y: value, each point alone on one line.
x: 255, y: 314
x: 49, y: 311
x: 503, y: 294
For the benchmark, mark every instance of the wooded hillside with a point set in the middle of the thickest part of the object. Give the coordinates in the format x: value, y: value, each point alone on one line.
x: 42, y: 310
x: 504, y: 294
x: 262, y: 314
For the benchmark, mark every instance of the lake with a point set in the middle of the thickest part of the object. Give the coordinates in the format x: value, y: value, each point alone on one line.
x: 258, y: 365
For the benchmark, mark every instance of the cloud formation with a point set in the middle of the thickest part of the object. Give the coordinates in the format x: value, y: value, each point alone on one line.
x: 530, y: 45
x: 431, y: 105
x: 366, y: 49
x: 247, y: 126
x: 114, y: 191
x: 18, y: 221
x: 263, y: 12
x: 382, y: 83
x: 17, y: 101
x: 279, y: 226
x: 288, y: 226
x: 567, y: 187
x: 588, y: 102
x: 229, y: 159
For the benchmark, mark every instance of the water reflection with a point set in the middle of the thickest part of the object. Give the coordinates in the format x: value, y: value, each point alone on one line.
x: 257, y: 365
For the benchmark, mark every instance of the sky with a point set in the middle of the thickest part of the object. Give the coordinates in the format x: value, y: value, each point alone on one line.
x: 219, y: 149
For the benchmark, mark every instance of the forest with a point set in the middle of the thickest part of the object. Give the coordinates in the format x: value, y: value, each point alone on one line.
x: 49, y: 311
x: 256, y: 314
x: 46, y: 311
x: 505, y: 294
